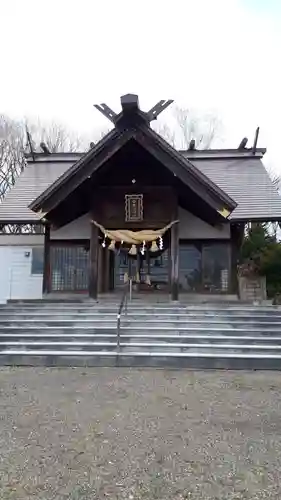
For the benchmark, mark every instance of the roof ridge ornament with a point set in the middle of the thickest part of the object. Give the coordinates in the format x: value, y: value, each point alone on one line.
x: 256, y: 140
x: 130, y: 103
x: 106, y: 111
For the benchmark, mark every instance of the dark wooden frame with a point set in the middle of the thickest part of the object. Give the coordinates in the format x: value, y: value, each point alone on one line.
x: 94, y: 262
x: 47, y: 267
x: 174, y: 256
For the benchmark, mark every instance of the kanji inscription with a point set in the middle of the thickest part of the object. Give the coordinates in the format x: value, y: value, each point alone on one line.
x: 133, y: 207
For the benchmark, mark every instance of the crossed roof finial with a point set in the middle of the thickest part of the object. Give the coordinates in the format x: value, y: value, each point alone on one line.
x: 130, y: 102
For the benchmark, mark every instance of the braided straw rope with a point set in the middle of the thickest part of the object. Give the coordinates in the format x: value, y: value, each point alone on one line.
x: 134, y: 237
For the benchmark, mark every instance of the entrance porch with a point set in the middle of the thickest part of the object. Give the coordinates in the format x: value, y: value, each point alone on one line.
x: 204, y: 268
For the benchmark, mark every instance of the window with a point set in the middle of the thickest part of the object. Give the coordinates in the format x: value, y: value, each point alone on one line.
x: 190, y: 267
x: 204, y: 267
x: 215, y: 268
x: 37, y: 264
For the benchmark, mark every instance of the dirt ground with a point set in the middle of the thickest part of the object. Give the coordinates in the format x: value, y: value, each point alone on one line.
x: 139, y: 434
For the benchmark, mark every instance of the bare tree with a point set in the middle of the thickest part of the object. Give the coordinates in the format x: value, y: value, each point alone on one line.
x: 57, y: 137
x: 13, y: 145
x: 12, y: 161
x: 276, y: 179
x: 187, y: 124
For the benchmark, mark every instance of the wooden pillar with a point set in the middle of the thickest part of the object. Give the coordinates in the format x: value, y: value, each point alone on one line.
x: 106, y: 269
x: 138, y: 272
x: 175, y: 262
x: 111, y: 260
x: 236, y: 240
x: 93, y: 265
x: 148, y: 263
x: 101, y: 274
x: 130, y: 267
x: 47, y: 261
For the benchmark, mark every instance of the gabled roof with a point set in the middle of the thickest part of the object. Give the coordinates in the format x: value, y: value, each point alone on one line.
x: 246, y: 180
x: 132, y: 123
x: 242, y: 176
x: 36, y: 177
x: 94, y: 159
x: 236, y: 179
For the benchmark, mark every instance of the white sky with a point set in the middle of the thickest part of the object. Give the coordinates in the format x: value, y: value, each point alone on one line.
x: 59, y: 57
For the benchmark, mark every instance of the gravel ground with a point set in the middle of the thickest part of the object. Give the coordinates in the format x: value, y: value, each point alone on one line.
x: 139, y: 434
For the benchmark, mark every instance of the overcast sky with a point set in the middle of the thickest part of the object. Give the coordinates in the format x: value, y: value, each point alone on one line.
x: 59, y: 57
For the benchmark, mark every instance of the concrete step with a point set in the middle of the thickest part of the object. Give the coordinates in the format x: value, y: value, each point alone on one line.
x: 85, y: 334
x: 140, y: 307
x: 5, y: 347
x: 137, y: 305
x: 149, y: 323
x: 140, y: 316
x: 139, y: 329
x: 140, y: 338
x: 178, y: 360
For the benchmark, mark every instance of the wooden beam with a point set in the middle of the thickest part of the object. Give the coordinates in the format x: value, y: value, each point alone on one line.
x: 158, y: 108
x: 47, y: 261
x: 256, y: 140
x: 175, y: 262
x: 106, y: 111
x: 93, y: 267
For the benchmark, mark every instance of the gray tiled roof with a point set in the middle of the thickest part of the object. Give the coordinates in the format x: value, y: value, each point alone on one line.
x: 31, y: 183
x: 248, y: 183
x: 244, y: 179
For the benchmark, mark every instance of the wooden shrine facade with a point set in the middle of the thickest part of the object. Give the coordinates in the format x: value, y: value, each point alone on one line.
x: 132, y: 180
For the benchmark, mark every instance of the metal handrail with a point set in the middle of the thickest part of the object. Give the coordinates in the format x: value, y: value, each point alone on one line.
x: 123, y: 305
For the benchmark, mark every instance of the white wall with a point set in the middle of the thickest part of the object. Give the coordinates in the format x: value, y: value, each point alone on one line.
x: 4, y: 273
x: 21, y: 240
x: 78, y: 229
x: 190, y: 227
x: 16, y: 280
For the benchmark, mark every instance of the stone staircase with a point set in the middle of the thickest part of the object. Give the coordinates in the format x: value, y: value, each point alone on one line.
x: 230, y: 336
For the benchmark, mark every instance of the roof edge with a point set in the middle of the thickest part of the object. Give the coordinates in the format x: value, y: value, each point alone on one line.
x: 69, y: 156
x: 193, y: 170
x: 253, y: 219
x: 222, y: 153
x: 85, y: 157
x: 54, y: 157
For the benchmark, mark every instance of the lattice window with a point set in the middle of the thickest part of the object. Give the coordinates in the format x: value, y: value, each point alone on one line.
x: 22, y: 228
x: 133, y: 207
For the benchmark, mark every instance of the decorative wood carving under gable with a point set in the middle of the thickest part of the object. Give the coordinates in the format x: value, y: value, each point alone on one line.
x: 156, y: 207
